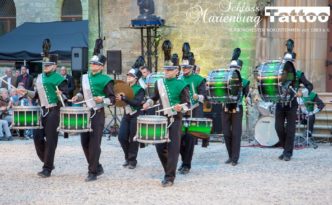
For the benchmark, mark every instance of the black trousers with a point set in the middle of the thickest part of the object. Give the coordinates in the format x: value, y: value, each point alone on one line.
x: 311, y: 122
x: 188, y: 141
x: 232, y: 128
x: 128, y: 128
x: 46, y: 139
x: 91, y: 141
x: 168, y: 153
x: 286, y: 132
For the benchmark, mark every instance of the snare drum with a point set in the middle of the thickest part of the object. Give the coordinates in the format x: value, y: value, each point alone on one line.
x: 198, y: 127
x: 26, y: 117
x: 265, y: 133
x: 224, y: 86
x: 75, y: 120
x: 152, y: 129
x: 151, y: 80
x: 273, y: 80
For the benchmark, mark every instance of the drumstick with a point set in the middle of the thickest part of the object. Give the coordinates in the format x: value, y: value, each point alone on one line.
x: 63, y: 104
x: 151, y: 107
x: 170, y: 107
x: 7, y: 82
x: 193, y: 87
x: 76, y: 103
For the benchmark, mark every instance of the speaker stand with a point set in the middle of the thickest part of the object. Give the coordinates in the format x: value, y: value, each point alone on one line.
x: 112, y: 128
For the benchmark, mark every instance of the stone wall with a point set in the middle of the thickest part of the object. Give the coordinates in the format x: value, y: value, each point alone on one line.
x: 42, y: 11
x: 212, y: 43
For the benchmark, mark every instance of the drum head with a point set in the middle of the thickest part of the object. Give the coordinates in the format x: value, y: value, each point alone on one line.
x: 265, y: 133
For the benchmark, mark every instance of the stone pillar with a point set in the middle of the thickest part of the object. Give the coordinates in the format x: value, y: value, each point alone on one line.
x: 329, y: 55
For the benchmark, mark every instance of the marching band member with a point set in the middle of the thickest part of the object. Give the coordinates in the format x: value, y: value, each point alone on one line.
x: 286, y: 112
x: 307, y: 104
x: 172, y: 93
x: 197, y: 92
x: 128, y: 125
x: 231, y: 117
x: 97, y: 90
x: 49, y: 86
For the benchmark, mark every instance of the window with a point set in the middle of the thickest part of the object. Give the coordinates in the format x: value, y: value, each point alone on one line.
x: 71, y: 10
x: 7, y: 16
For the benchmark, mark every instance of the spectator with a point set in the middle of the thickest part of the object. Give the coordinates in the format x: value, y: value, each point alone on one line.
x: 4, y: 129
x: 5, y: 106
x: 25, y: 78
x: 17, y: 73
x: 70, y: 81
x: 10, y: 79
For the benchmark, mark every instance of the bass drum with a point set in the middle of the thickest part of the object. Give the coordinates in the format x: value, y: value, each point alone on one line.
x: 265, y: 133
x: 224, y: 86
x: 151, y: 80
x: 273, y: 80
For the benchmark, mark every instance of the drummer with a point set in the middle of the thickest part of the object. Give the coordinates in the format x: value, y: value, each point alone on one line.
x: 286, y: 131
x: 97, y: 90
x: 231, y: 117
x: 49, y: 86
x: 197, y: 92
x: 172, y: 93
x: 128, y: 124
x: 310, y: 104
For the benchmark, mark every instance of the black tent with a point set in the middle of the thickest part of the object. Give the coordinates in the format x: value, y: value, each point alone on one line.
x: 25, y: 42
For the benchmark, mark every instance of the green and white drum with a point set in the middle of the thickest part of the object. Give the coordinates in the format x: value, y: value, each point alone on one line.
x: 224, y: 86
x: 274, y: 79
x: 26, y: 117
x: 75, y: 120
x: 152, y: 129
x: 198, y: 127
x: 151, y: 80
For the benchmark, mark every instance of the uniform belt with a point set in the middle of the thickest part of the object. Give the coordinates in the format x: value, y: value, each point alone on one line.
x: 99, y: 110
x: 51, y: 108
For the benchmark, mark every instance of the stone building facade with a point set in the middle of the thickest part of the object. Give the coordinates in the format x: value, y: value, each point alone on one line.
x: 43, y: 11
x: 212, y: 41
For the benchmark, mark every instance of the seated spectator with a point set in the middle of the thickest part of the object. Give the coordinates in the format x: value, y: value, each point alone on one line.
x: 4, y: 129
x: 5, y: 106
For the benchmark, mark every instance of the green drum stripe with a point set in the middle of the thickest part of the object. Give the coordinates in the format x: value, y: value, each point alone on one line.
x: 202, y: 127
x: 204, y: 130
x: 152, y: 132
x: 75, y: 121
x: 26, y: 118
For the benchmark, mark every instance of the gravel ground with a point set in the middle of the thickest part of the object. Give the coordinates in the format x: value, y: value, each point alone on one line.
x: 259, y: 178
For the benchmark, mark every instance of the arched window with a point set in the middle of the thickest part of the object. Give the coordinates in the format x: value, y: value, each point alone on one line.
x: 7, y: 16
x: 71, y: 10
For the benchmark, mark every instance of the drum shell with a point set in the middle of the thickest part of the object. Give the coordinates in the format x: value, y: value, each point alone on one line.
x: 75, y: 119
x: 197, y: 127
x: 151, y: 80
x: 224, y: 86
x: 152, y: 129
x: 26, y: 117
x: 272, y: 78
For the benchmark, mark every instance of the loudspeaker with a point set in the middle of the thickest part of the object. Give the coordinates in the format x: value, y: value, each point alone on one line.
x: 79, y: 59
x: 114, y: 62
